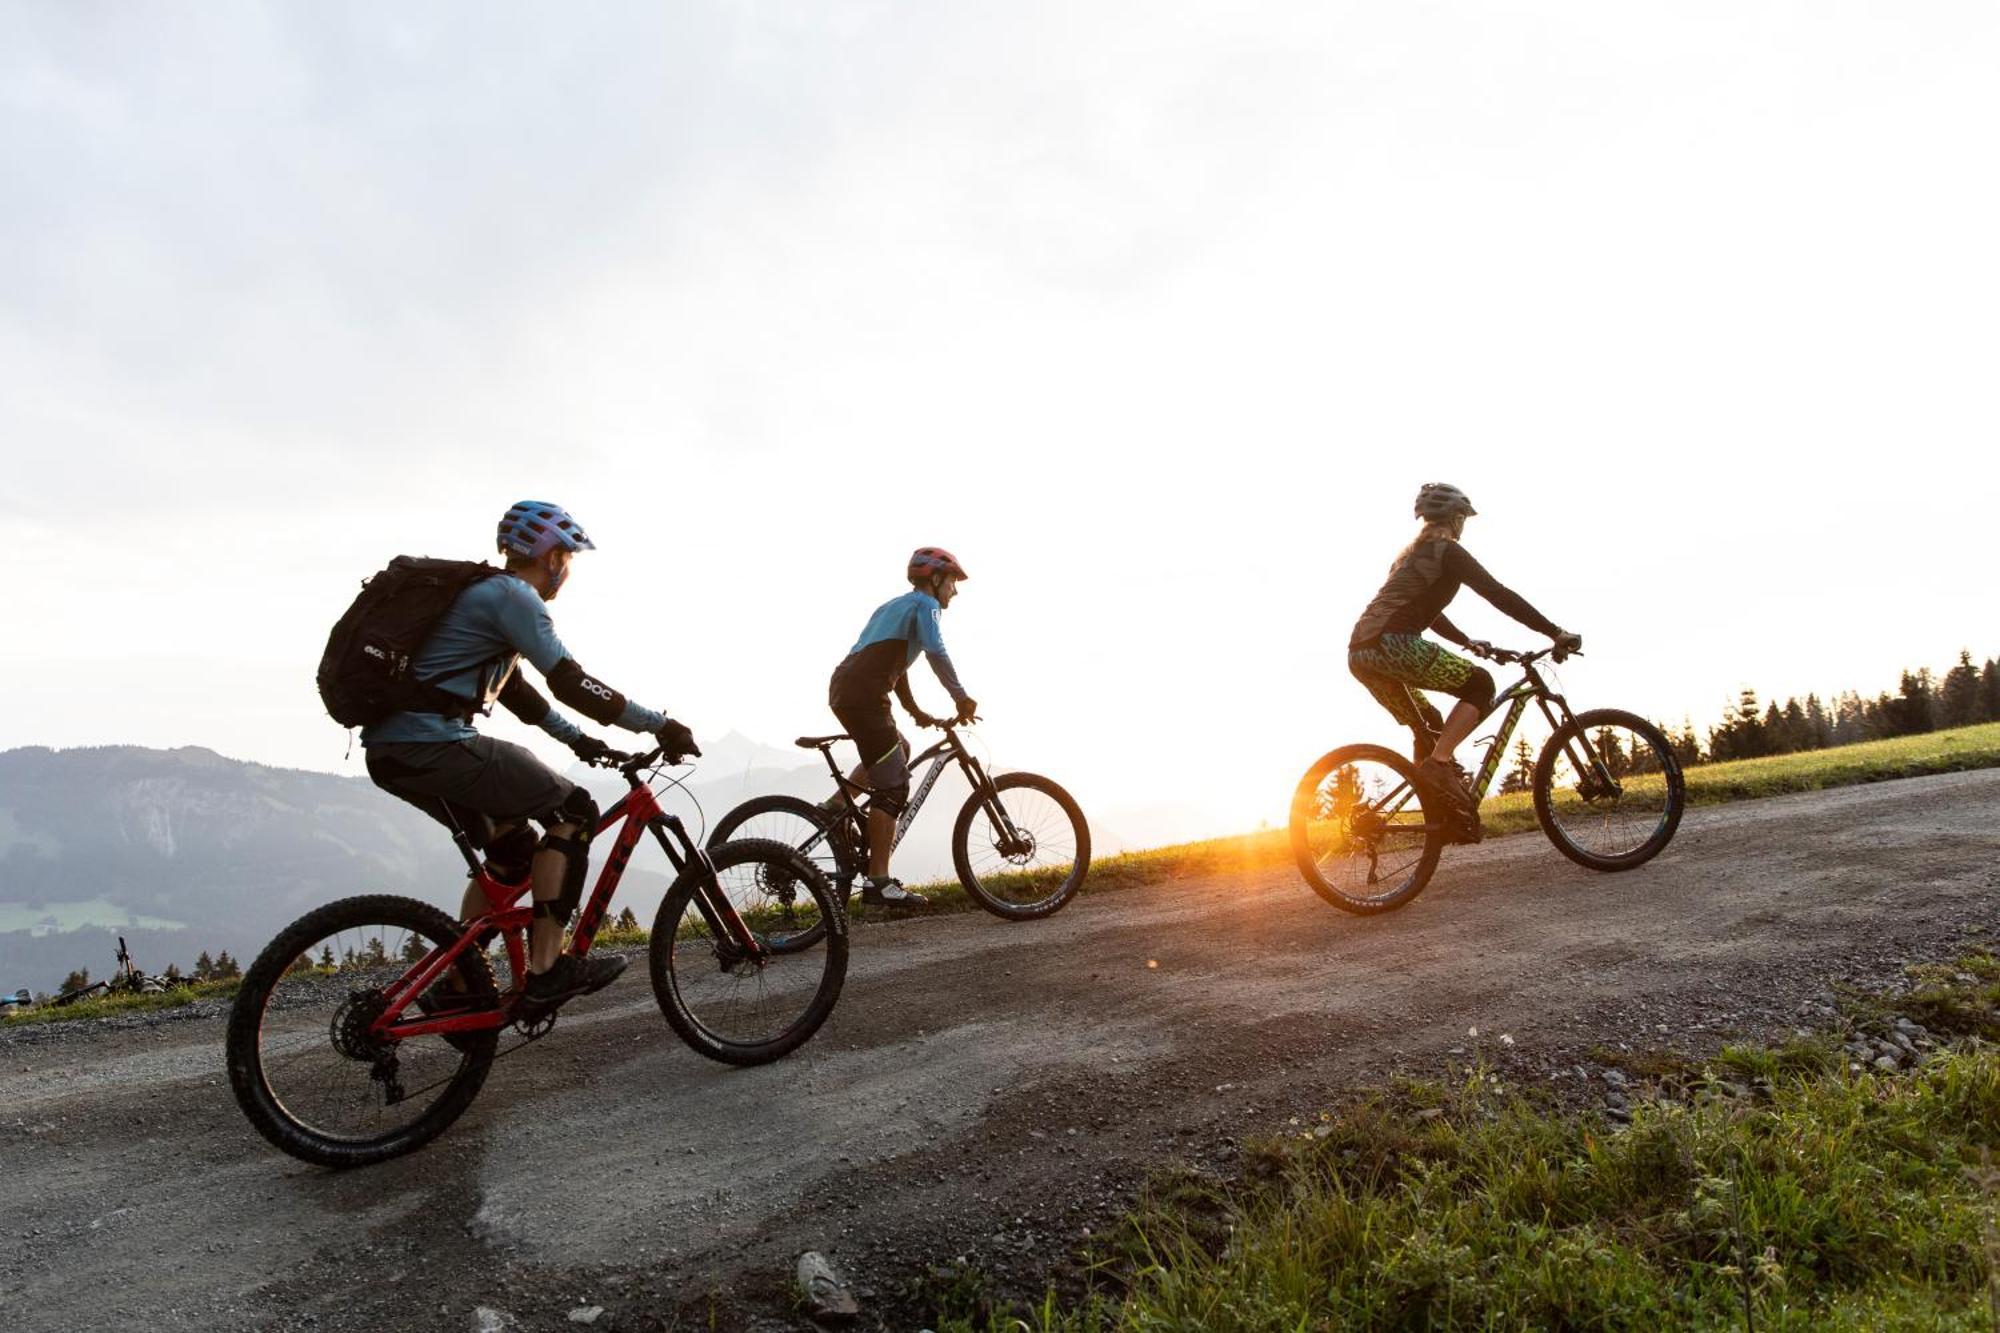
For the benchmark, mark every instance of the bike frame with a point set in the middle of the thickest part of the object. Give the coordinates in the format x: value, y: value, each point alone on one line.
x: 1515, y: 699
x: 639, y: 812
x: 937, y: 755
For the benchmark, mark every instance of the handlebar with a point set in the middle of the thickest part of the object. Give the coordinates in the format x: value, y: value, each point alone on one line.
x: 1504, y: 656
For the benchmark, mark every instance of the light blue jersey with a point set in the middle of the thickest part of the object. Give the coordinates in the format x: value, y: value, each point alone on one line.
x: 473, y: 649
x: 911, y: 623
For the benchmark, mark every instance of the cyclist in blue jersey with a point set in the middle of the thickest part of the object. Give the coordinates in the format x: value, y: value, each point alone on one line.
x: 877, y: 666
x: 494, y: 790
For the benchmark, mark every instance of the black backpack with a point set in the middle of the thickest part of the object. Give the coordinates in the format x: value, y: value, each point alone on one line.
x: 364, y: 674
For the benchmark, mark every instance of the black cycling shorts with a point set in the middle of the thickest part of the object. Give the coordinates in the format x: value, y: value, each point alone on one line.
x: 477, y: 783
x: 884, y: 752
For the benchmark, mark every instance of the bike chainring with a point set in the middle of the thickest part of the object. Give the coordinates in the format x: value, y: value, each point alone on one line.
x: 535, y: 1029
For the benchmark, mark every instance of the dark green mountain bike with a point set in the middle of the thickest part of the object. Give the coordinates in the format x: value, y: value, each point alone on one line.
x: 1607, y: 790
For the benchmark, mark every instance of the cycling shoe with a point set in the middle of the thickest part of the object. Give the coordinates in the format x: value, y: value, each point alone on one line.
x: 569, y: 978
x: 891, y: 893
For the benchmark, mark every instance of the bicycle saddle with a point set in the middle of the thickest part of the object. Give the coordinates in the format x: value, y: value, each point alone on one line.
x: 816, y: 742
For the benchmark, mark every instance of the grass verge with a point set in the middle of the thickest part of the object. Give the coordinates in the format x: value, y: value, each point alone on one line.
x: 1781, y: 1187
x: 112, y: 1006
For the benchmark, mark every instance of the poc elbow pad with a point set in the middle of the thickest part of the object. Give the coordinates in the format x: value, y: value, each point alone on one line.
x: 586, y: 694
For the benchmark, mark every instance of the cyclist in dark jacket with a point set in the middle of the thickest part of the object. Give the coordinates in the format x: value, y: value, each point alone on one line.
x: 1388, y: 653
x: 877, y: 665
x: 491, y: 788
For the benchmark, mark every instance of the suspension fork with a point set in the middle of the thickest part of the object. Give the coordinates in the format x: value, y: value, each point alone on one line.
x: 1590, y: 764
x: 723, y: 920
x: 988, y: 794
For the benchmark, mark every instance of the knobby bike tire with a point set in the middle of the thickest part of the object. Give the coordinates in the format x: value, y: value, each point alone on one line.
x: 961, y: 849
x: 1306, y: 792
x: 246, y: 1017
x: 667, y: 983
x: 1676, y: 790
x: 817, y: 816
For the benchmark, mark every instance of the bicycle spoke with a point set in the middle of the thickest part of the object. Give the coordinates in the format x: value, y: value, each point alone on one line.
x: 1608, y: 793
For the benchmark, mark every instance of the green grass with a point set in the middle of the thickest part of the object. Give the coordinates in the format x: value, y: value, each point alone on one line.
x: 1779, y: 1189
x: 110, y: 1006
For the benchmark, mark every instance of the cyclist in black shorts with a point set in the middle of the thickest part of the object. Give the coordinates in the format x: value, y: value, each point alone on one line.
x: 1389, y: 654
x: 877, y: 665
x: 496, y: 791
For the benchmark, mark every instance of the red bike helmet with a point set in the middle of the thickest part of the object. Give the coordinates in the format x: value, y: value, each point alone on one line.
x: 929, y: 561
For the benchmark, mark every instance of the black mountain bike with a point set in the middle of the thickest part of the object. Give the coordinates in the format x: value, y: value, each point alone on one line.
x: 1607, y: 790
x: 1021, y: 846
x: 127, y: 980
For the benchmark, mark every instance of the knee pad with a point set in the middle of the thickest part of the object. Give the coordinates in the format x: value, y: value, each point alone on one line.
x: 892, y: 800
x: 1478, y: 689
x: 508, y: 856
x: 575, y: 851
x: 891, y: 780
x: 577, y: 808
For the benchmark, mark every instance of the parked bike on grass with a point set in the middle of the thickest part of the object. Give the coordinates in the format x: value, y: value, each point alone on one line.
x: 366, y: 1027
x: 1021, y: 846
x: 127, y: 980
x: 1607, y: 791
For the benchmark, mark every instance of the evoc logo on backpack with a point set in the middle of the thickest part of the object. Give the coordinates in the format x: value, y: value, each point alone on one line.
x: 364, y: 674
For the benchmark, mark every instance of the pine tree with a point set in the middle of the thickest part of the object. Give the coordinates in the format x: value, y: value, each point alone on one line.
x: 1521, y: 777
x: 76, y: 980
x: 326, y: 960
x: 226, y: 967
x: 1819, y: 727
x: 1916, y: 704
x: 1989, y: 691
x: 628, y: 920
x: 173, y: 974
x: 1958, y: 696
x: 413, y: 948
x: 204, y: 967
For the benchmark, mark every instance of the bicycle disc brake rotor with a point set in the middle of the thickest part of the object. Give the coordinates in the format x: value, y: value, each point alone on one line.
x: 351, y: 1022
x: 1017, y: 847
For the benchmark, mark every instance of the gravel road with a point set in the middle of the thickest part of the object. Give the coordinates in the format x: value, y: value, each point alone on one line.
x: 985, y: 1092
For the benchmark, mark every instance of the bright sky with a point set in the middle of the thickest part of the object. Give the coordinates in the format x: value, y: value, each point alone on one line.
x: 1155, y: 313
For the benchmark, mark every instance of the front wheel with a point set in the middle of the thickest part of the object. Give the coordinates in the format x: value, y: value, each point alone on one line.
x: 1608, y: 790
x: 1022, y: 852
x: 737, y: 1004
x: 306, y: 1061
x: 1360, y: 834
x: 826, y: 838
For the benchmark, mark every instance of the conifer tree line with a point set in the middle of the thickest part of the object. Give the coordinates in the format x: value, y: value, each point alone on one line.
x: 1968, y: 693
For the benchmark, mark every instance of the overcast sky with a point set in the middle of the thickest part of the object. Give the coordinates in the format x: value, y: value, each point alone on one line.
x: 1155, y: 313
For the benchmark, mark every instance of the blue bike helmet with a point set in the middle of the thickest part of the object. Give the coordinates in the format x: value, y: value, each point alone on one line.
x: 533, y: 528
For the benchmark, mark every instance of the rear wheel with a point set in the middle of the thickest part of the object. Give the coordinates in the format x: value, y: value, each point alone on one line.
x: 1032, y: 861
x: 823, y: 837
x: 1360, y: 833
x: 304, y: 1065
x: 1608, y: 790
x: 730, y: 1004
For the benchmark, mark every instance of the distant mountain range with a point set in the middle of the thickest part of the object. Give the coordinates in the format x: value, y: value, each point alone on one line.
x: 184, y: 850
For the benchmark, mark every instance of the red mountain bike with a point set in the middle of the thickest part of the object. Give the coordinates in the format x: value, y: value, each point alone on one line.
x: 368, y: 1026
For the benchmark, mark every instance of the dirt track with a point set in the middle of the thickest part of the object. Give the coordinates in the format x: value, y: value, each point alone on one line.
x: 984, y: 1091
